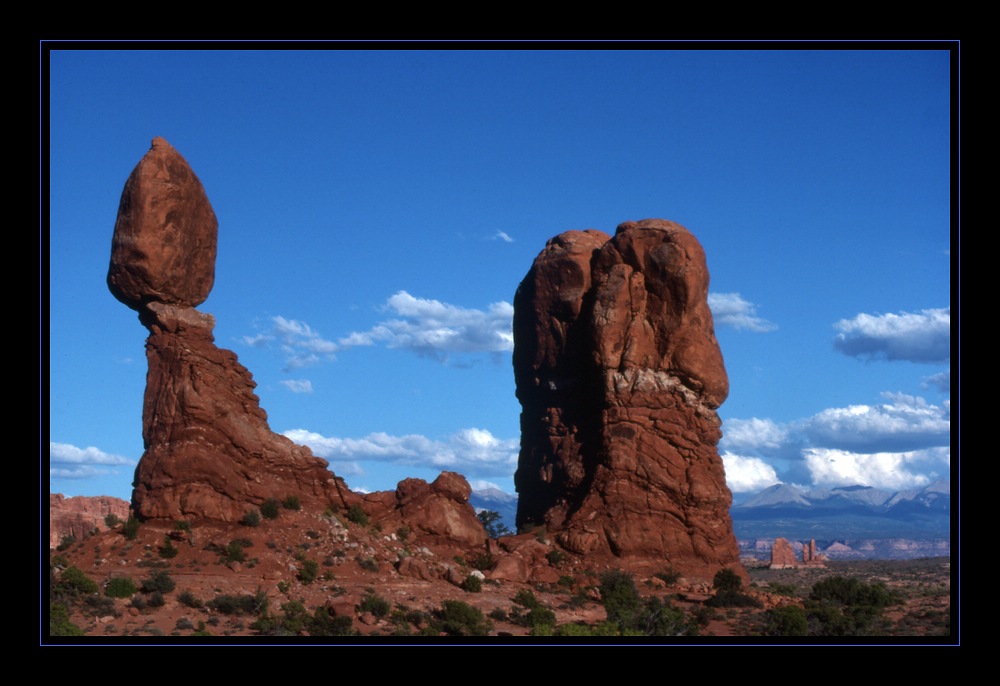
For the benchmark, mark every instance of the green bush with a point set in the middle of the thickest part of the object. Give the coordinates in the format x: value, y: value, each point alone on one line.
x: 309, y: 571
x: 159, y: 581
x: 374, y: 603
x: 73, y: 582
x: 67, y: 541
x: 555, y: 557
x: 456, y: 618
x: 357, y: 515
x: 59, y: 624
x: 120, y: 587
x: 188, y: 599
x: 526, y: 598
x: 669, y: 576
x: 369, y: 564
x: 234, y: 552
x: 323, y: 624
x: 167, y: 550
x: 131, y: 528
x: 271, y: 509
x: 727, y: 580
x: 251, y: 518
x: 403, y: 532
x: 541, y: 616
x: 182, y: 525
x: 245, y: 604
x: 621, y: 598
x: 841, y: 606
x: 111, y: 520
x: 473, y: 584
x: 292, y: 502
x: 785, y: 621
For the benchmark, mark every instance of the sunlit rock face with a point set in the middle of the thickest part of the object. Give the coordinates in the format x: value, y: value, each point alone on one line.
x: 209, y: 452
x: 619, y: 375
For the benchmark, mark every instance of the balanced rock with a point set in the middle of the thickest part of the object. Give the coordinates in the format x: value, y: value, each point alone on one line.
x: 166, y: 234
x: 209, y: 452
x: 619, y: 376
x: 438, y: 512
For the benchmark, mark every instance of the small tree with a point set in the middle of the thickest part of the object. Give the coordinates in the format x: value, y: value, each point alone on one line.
x: 492, y: 522
x: 271, y: 508
x: 131, y: 528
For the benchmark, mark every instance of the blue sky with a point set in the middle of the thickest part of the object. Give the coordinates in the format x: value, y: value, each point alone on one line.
x: 378, y: 208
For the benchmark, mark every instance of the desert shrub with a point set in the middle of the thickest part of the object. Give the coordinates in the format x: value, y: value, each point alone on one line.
x: 374, y: 603
x: 555, y: 557
x: 540, y: 616
x: 727, y: 580
x: 403, y: 532
x: 789, y: 590
x: 251, y: 518
x: 732, y: 599
x: 167, y: 550
x: 473, y: 584
x: 234, y: 552
x: 669, y: 576
x: 131, y: 528
x: 309, y: 571
x: 621, y: 598
x: 111, y: 520
x: 59, y: 624
x: 188, y: 599
x: 73, y: 582
x: 483, y: 561
x: 159, y: 581
x: 499, y: 614
x: 120, y: 587
x: 357, y: 515
x: 785, y: 621
x: 323, y: 624
x: 573, y: 630
x: 271, y: 509
x: 369, y: 564
x: 291, y: 502
x: 245, y: 604
x: 283, y: 586
x: 66, y: 542
x: 155, y: 599
x: 492, y: 522
x: 525, y: 598
x: 138, y: 602
x: 841, y: 606
x: 456, y: 618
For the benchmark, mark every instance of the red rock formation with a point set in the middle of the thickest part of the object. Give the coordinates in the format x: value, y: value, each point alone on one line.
x: 165, y: 235
x: 439, y: 510
x: 810, y: 557
x: 80, y: 515
x: 783, y: 555
x: 619, y: 375
x: 209, y: 452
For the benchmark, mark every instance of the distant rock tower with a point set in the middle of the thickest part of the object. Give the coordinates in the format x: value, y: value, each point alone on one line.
x: 209, y: 452
x: 619, y: 376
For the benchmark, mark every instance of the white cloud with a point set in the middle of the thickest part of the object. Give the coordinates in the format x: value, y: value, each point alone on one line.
x: 435, y: 329
x: 891, y: 471
x: 70, y: 462
x: 753, y: 434
x: 301, y: 345
x: 502, y: 235
x: 748, y: 474
x: 483, y: 485
x: 298, y: 385
x: 941, y: 380
x: 730, y: 309
x: 923, y: 336
x: 70, y: 454
x: 473, y: 452
x: 906, y: 423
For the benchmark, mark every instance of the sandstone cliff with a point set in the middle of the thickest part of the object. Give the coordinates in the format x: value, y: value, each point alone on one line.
x: 619, y: 374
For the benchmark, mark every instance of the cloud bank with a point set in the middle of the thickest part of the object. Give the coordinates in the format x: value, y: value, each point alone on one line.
x: 434, y: 329
x: 748, y: 474
x: 730, y: 309
x: 70, y: 462
x: 301, y: 346
x: 923, y: 336
x: 298, y: 385
x: 473, y: 452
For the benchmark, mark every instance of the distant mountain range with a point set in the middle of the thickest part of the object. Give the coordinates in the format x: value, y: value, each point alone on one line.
x: 847, y: 512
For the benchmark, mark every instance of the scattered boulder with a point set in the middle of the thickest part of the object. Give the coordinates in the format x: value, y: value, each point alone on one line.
x: 436, y: 512
x: 619, y: 376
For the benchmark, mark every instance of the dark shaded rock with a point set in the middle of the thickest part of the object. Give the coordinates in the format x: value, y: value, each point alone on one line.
x: 619, y: 375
